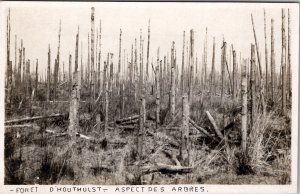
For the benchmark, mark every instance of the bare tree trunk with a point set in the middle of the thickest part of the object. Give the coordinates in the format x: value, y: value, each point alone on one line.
x: 70, y: 75
x: 106, y: 99
x: 190, y: 95
x: 141, y: 132
x: 36, y: 75
x: 92, y: 54
x: 212, y: 75
x: 76, y: 51
x: 272, y: 60
x: 244, y: 107
x: 99, y: 59
x: 9, y: 66
x: 223, y: 61
x: 252, y: 86
x: 48, y: 74
x: 56, y: 67
x: 182, y: 67
x: 119, y: 60
x: 172, y: 92
x: 81, y: 67
x: 234, y: 75
x: 122, y: 104
x: 283, y: 66
x: 184, y: 149
x: 157, y: 101
x: 141, y: 80
x: 74, y: 107
x: 266, y: 53
x: 148, y: 45
x: 289, y: 85
x: 205, y: 61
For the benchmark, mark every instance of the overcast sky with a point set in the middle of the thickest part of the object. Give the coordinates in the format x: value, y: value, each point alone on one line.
x: 37, y: 24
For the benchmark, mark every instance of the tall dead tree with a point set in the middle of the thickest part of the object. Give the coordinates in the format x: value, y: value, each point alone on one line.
x: 141, y: 131
x: 70, y: 75
x: 182, y: 66
x: 157, y: 92
x: 76, y: 51
x: 172, y: 92
x: 74, y: 106
x: 205, y: 60
x: 36, y: 76
x: 191, y: 76
x: 148, y: 46
x: 141, y: 80
x: 272, y: 60
x: 266, y: 53
x: 289, y: 84
x: 184, y: 148
x: 252, y: 86
x: 234, y: 74
x: 56, y: 67
x: 283, y: 65
x: 106, y: 99
x: 9, y: 65
x: 261, y: 82
x: 119, y: 60
x: 48, y: 74
x: 92, y: 54
x: 81, y: 66
x: 212, y: 75
x: 99, y: 58
x: 244, y: 107
x: 15, y: 68
x: 223, y: 63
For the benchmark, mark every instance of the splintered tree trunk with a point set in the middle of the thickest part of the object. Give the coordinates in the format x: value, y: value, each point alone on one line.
x: 48, y: 74
x: 172, y: 92
x: 223, y: 61
x: 244, y: 107
x: 122, y: 103
x: 57, y: 63
x: 289, y: 59
x: 212, y: 75
x: 36, y: 75
x: 148, y: 45
x: 119, y: 60
x: 92, y: 54
x: 141, y: 131
x: 70, y: 75
x: 234, y: 75
x: 76, y: 51
x: 182, y: 67
x: 9, y: 65
x: 283, y: 66
x: 266, y: 53
x: 272, y: 61
x: 74, y: 107
x: 190, y: 95
x: 157, y: 101
x: 184, y: 149
x: 252, y: 86
x: 106, y: 100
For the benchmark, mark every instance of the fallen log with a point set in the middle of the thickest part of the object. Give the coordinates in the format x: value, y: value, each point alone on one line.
x: 127, y: 126
x: 164, y: 168
x: 214, y: 124
x: 199, y: 128
x: 29, y: 119
x: 17, y: 126
x: 118, y: 121
x: 134, y: 121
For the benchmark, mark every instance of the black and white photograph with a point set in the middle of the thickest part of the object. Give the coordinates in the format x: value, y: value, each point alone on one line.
x: 162, y: 94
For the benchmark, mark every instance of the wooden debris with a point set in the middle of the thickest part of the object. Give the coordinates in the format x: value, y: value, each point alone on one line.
x: 214, y: 124
x: 30, y: 119
x: 202, y: 130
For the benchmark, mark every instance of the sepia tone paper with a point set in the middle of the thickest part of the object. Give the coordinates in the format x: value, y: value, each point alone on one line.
x: 149, y: 97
